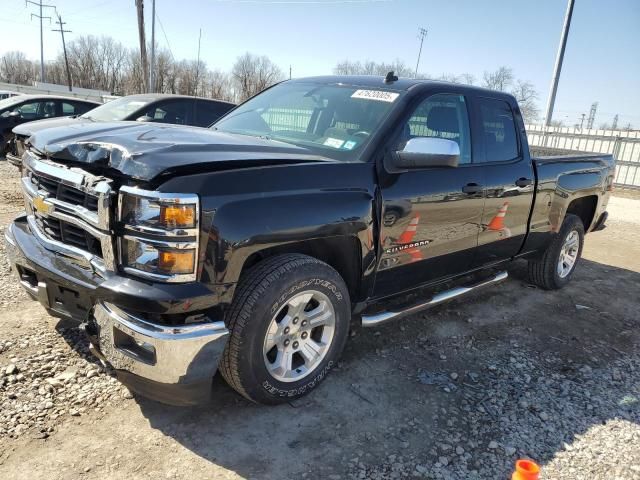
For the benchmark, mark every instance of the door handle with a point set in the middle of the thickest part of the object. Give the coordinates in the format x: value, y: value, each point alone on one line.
x: 472, y: 188
x: 523, y: 182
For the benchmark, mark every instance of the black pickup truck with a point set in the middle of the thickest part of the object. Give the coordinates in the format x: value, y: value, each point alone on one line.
x: 249, y: 248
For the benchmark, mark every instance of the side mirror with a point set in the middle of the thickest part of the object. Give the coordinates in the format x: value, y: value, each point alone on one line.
x: 144, y: 118
x: 15, y: 114
x: 424, y: 152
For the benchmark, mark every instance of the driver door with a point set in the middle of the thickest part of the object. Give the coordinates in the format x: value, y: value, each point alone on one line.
x: 430, y: 217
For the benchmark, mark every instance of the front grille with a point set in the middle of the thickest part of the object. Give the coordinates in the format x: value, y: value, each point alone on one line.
x: 69, y: 234
x: 56, y: 189
x: 70, y: 207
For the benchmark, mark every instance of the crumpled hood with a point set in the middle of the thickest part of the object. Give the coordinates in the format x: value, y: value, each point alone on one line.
x: 144, y: 151
x: 29, y: 128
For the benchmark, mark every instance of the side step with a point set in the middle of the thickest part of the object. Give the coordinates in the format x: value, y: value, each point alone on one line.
x: 378, y: 318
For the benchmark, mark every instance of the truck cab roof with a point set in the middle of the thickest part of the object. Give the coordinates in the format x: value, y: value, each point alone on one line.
x: 403, y: 84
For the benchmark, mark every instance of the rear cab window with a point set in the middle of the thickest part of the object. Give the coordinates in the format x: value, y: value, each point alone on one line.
x: 209, y: 112
x: 498, y: 130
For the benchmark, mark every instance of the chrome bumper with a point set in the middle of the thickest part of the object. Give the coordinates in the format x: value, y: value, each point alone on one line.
x: 13, y: 160
x: 164, y: 354
x: 170, y: 364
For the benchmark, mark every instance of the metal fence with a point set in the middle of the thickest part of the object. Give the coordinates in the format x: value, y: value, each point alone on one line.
x: 623, y: 145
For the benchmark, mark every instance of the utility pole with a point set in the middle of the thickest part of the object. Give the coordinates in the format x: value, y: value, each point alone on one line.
x: 558, y: 67
x: 143, y: 44
x: 289, y: 72
x: 198, y: 64
x: 582, y: 120
x: 152, y: 67
x: 64, y: 49
x: 614, y: 125
x: 41, y: 6
x: 592, y: 115
x: 422, y: 33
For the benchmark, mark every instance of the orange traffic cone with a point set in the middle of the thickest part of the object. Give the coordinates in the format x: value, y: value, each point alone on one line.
x: 410, y: 232
x: 497, y: 222
x: 526, y: 470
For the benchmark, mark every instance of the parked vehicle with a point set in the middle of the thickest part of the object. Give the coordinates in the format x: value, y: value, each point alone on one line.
x: 157, y: 108
x: 249, y: 248
x: 8, y: 93
x: 26, y: 108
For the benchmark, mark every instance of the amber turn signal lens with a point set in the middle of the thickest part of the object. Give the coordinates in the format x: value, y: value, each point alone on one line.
x: 178, y: 216
x: 176, y: 261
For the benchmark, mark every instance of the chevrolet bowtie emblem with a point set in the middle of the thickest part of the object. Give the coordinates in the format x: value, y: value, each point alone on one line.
x: 41, y: 206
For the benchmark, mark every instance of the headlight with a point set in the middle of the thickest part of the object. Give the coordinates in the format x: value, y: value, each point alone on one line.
x: 161, y: 234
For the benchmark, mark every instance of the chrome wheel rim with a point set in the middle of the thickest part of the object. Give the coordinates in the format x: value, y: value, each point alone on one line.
x: 299, y: 336
x: 568, y: 254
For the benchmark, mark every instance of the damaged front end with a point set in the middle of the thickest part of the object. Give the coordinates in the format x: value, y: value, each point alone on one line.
x: 128, y: 274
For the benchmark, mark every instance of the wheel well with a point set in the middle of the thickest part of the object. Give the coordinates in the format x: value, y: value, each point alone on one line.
x: 341, y: 253
x: 585, y: 208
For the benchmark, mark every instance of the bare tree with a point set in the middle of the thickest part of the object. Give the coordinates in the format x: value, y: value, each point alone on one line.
x: 347, y: 67
x: 369, y: 67
x: 16, y: 68
x: 526, y: 95
x: 218, y: 86
x: 252, y: 74
x: 467, y: 79
x: 449, y: 77
x: 500, y: 80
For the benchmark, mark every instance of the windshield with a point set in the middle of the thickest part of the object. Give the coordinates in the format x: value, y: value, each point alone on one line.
x: 117, y: 110
x: 330, y: 120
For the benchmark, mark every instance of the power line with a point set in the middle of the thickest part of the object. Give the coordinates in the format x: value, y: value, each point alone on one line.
x: 41, y: 17
x: 165, y: 37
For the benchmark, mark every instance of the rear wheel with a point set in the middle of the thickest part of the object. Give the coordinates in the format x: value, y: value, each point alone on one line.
x: 556, y: 267
x: 289, y: 322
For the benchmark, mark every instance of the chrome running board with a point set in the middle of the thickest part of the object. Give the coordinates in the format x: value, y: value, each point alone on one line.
x: 378, y: 318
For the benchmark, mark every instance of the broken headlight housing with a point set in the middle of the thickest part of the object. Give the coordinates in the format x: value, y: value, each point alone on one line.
x: 161, y: 230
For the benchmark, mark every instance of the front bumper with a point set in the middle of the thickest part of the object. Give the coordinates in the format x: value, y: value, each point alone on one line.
x: 171, y: 364
x: 12, y: 159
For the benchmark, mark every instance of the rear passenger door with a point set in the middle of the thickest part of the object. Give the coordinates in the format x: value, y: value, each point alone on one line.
x: 508, y: 179
x: 430, y: 217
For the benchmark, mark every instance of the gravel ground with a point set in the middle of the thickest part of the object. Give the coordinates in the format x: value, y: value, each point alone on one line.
x: 458, y: 392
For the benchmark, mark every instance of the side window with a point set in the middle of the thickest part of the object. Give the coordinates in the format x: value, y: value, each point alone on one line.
x: 441, y: 116
x: 78, y: 108
x: 48, y: 110
x: 68, y: 109
x: 498, y: 130
x: 30, y: 110
x: 208, y: 112
x: 176, y: 112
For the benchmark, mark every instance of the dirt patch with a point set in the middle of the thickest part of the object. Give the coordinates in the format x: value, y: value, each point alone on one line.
x: 460, y: 391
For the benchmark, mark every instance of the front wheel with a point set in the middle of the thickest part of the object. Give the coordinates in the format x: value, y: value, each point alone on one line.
x: 556, y: 267
x: 289, y: 322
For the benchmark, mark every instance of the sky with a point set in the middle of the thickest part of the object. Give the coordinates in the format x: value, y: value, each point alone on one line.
x: 602, y: 60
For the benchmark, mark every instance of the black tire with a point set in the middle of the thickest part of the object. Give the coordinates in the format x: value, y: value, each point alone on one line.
x: 262, y: 292
x: 543, y: 271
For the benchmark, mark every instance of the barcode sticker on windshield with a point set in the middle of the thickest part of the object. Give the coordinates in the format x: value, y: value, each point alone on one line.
x: 379, y: 95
